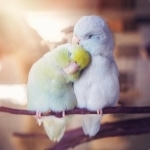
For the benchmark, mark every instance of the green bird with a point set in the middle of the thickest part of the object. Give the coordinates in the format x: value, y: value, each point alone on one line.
x: 50, y: 88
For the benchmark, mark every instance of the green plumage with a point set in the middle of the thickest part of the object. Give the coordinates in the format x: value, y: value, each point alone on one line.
x: 50, y: 88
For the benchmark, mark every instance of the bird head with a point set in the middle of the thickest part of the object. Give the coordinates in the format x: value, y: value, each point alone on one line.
x: 80, y: 56
x: 79, y: 59
x: 71, y: 58
x: 93, y: 33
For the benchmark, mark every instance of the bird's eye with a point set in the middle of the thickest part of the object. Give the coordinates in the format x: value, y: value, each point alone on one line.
x: 69, y: 54
x: 89, y: 36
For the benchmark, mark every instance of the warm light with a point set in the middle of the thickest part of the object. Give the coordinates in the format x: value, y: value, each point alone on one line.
x: 48, y: 26
x: 13, y: 93
x: 11, y: 7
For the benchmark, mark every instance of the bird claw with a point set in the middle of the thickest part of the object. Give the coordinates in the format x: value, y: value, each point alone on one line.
x: 100, y: 112
x: 38, y: 118
x: 63, y: 114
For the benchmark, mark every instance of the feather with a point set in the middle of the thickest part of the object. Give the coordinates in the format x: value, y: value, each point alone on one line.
x: 50, y: 87
x: 98, y: 85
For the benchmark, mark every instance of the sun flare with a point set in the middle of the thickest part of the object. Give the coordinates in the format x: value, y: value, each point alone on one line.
x: 48, y: 26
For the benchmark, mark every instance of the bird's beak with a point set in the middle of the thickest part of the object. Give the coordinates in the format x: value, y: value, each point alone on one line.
x: 71, y: 68
x: 75, y: 39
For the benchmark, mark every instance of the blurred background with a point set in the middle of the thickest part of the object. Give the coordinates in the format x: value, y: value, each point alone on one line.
x: 30, y: 28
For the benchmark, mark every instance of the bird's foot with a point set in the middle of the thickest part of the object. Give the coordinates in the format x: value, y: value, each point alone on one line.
x: 63, y: 114
x: 100, y: 112
x: 38, y: 118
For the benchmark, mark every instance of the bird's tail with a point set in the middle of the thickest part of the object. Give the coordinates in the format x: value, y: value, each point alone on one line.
x: 54, y: 127
x: 91, y: 124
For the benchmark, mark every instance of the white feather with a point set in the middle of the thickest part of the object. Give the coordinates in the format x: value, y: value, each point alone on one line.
x: 98, y: 85
x: 54, y: 127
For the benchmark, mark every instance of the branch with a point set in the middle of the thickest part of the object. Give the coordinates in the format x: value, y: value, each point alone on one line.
x: 108, y: 110
x: 30, y: 135
x: 120, y: 128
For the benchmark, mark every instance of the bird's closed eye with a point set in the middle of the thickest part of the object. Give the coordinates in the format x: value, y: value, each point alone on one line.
x: 69, y: 54
x: 90, y: 36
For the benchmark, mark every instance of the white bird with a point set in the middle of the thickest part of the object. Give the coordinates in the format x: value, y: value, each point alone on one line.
x: 98, y: 85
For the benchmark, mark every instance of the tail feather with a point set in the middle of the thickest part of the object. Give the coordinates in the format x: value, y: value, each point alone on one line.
x: 91, y: 124
x: 54, y: 127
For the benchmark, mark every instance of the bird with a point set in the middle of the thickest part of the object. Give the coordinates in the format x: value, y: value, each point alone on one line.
x: 50, y: 88
x: 98, y: 86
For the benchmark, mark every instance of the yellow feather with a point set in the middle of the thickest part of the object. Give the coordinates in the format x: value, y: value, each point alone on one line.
x: 81, y: 56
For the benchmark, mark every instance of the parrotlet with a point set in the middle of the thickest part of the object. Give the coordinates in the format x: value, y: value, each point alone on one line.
x: 98, y: 85
x: 50, y: 88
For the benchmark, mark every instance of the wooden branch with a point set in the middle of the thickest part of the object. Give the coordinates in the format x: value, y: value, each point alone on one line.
x: 108, y: 110
x: 120, y: 128
x: 76, y: 137
x: 30, y: 135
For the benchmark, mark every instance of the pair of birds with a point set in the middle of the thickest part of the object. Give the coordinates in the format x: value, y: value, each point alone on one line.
x: 56, y: 82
